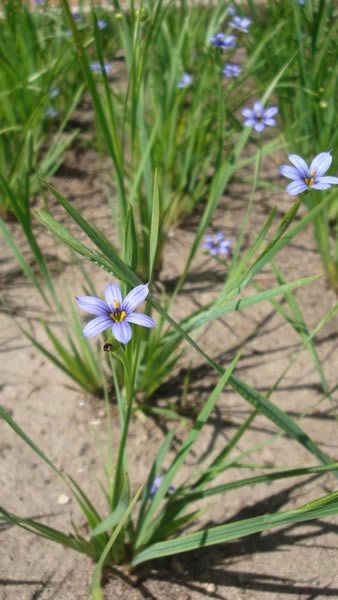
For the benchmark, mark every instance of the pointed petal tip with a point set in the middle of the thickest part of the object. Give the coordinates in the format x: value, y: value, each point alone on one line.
x: 135, y: 297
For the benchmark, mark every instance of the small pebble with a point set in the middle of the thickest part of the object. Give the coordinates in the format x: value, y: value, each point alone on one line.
x: 211, y: 587
x: 63, y: 499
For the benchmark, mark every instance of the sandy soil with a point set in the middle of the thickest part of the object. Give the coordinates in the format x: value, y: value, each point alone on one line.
x: 294, y: 562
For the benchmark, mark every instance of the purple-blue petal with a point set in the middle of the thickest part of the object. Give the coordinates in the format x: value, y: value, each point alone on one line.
x: 259, y: 127
x: 249, y: 122
x: 270, y: 122
x: 113, y: 294
x: 247, y: 112
x: 328, y: 179
x: 96, y: 326
x: 320, y: 185
x: 156, y: 484
x: 135, y: 298
x: 140, y: 319
x: 271, y: 111
x: 321, y: 163
x: 258, y: 107
x: 225, y: 247
x: 289, y: 172
x: 93, y: 305
x: 122, y: 332
x: 300, y: 165
x: 296, y: 187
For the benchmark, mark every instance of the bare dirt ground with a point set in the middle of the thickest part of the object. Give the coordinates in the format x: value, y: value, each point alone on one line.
x: 294, y: 562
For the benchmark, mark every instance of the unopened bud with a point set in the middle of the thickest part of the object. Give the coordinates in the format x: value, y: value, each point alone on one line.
x: 108, y: 347
x: 142, y: 14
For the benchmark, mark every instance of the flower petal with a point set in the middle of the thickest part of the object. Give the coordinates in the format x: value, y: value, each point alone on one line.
x: 320, y: 185
x: 328, y: 179
x: 296, y: 187
x: 270, y: 122
x: 289, y: 172
x: 224, y: 250
x: 258, y: 107
x: 96, y: 326
x: 140, y: 319
x: 259, y: 127
x: 135, y: 298
x: 300, y: 165
x: 113, y: 294
x: 271, y: 111
x: 321, y: 163
x: 247, y: 112
x: 93, y: 305
x: 122, y: 332
x: 249, y: 122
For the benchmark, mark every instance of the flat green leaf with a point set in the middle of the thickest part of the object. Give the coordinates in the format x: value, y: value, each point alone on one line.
x: 265, y: 478
x: 221, y: 309
x: 145, y: 530
x: 322, y: 507
x: 13, y: 424
x: 95, y: 587
x: 154, y: 227
x: 54, y: 535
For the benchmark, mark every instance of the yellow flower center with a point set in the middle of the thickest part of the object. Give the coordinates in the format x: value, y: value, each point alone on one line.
x: 310, y: 180
x: 118, y: 315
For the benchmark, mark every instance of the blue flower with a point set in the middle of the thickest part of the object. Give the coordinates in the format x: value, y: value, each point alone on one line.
x: 223, y: 41
x: 232, y: 70
x: 185, y: 81
x: 76, y: 16
x: 115, y: 312
x: 259, y: 116
x: 54, y: 92
x: 217, y: 244
x: 156, y: 484
x: 231, y: 11
x: 96, y: 67
x: 240, y: 23
x: 51, y: 112
x: 102, y: 24
x: 304, y: 177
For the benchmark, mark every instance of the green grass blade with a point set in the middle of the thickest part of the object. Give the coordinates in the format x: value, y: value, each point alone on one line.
x: 190, y: 496
x: 215, y: 313
x: 322, y: 507
x: 13, y: 424
x: 54, y: 535
x: 154, y: 472
x: 145, y: 531
x: 154, y: 227
x: 95, y: 587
